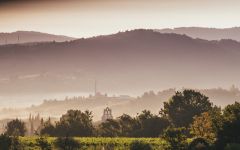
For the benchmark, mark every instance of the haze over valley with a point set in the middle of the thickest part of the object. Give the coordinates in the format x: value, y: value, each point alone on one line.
x: 126, y: 63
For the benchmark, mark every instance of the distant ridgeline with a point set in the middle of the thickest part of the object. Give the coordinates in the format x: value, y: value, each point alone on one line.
x: 30, y: 37
x: 119, y: 104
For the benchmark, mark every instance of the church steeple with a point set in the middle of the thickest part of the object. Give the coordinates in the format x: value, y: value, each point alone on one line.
x: 107, y: 114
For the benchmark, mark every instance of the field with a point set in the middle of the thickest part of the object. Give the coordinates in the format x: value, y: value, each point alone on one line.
x: 29, y: 143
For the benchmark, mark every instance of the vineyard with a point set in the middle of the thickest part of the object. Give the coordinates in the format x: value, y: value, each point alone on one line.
x: 29, y: 143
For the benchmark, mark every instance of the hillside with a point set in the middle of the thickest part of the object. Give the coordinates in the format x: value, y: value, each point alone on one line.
x: 206, y: 33
x: 126, y: 62
x: 30, y: 37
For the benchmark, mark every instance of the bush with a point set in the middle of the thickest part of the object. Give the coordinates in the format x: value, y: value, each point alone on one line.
x: 66, y: 143
x: 199, y: 144
x: 15, y: 144
x: 176, y: 138
x: 5, y: 142
x: 9, y: 143
x: 43, y: 143
x: 139, y: 145
x: 16, y: 128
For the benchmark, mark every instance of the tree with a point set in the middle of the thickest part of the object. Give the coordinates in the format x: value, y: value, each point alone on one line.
x: 47, y: 128
x: 229, y: 132
x: 16, y: 128
x: 202, y: 127
x: 144, y: 125
x: 150, y: 125
x: 183, y: 106
x: 128, y: 125
x: 110, y: 128
x: 76, y: 123
x: 73, y: 123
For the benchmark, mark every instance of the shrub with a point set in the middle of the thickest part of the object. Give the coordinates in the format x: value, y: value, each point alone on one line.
x: 16, y: 128
x: 43, y: 143
x: 139, y: 145
x: 5, y: 142
x: 66, y: 143
x: 176, y: 138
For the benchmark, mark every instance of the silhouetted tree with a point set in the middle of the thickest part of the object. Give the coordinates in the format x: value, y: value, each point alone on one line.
x: 144, y: 125
x: 75, y: 123
x: 110, y: 128
x: 48, y: 129
x: 128, y: 125
x: 183, y: 106
x: 15, y: 128
x: 150, y: 125
x: 229, y: 133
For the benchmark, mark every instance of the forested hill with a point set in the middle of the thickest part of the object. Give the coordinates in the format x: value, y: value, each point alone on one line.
x: 132, y: 61
x: 30, y: 37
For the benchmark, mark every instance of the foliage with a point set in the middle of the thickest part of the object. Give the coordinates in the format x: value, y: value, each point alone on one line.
x: 9, y: 143
x: 202, y: 127
x: 16, y: 128
x: 15, y: 144
x: 144, y: 125
x: 43, y: 143
x: 199, y: 144
x: 216, y: 119
x: 128, y: 125
x: 229, y: 133
x: 48, y: 128
x: 5, y: 142
x: 183, y: 106
x: 110, y: 128
x: 150, y: 125
x: 139, y: 145
x: 176, y: 138
x: 73, y: 123
x: 67, y: 143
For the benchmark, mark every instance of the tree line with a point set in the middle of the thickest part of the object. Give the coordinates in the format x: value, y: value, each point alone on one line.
x: 187, y: 115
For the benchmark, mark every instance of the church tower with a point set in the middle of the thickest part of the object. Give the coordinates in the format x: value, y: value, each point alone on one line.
x: 107, y: 114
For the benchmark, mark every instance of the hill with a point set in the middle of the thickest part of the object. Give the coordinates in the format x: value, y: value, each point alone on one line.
x: 30, y: 37
x: 206, y: 33
x: 127, y: 62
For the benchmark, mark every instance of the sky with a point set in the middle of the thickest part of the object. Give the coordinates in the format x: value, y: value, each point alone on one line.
x: 86, y: 18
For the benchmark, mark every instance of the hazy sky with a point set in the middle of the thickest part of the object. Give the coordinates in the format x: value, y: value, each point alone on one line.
x: 84, y: 18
